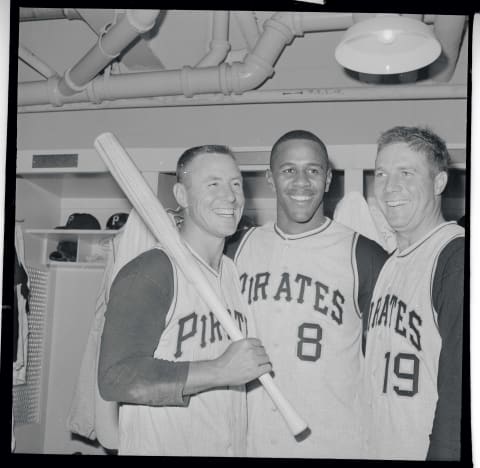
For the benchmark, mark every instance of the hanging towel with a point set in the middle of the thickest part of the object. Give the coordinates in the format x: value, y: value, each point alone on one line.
x: 90, y: 415
x: 365, y: 218
x: 20, y: 306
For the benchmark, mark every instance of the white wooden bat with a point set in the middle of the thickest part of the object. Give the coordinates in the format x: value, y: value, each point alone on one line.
x: 155, y: 217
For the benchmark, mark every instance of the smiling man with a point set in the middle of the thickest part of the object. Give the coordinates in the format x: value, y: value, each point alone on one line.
x: 164, y: 356
x: 308, y: 281
x: 413, y: 358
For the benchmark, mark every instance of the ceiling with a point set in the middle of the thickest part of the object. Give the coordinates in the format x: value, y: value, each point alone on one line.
x: 182, y: 37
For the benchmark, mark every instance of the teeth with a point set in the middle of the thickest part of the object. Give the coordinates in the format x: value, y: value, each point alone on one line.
x: 396, y: 203
x: 301, y: 197
x: 224, y: 211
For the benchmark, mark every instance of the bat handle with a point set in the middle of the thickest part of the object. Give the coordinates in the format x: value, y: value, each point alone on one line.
x: 294, y: 422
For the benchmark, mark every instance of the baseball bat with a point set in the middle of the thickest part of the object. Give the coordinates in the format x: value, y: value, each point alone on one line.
x: 155, y: 217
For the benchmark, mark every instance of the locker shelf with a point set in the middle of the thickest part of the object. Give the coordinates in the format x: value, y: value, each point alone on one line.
x: 91, y: 250
x: 92, y: 235
x: 53, y: 264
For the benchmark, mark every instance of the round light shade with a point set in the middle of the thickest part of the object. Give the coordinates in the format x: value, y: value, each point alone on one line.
x: 387, y: 44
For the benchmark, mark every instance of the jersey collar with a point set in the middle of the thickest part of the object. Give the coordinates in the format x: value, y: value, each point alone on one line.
x: 302, y: 235
x: 203, y: 262
x: 427, y: 236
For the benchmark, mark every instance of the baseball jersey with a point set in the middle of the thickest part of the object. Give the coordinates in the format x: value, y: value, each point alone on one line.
x: 303, y: 292
x: 403, y: 349
x: 210, y: 423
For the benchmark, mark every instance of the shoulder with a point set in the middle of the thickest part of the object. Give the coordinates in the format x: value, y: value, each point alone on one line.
x: 153, y: 264
x: 235, y: 244
x: 451, y: 259
x: 370, y: 247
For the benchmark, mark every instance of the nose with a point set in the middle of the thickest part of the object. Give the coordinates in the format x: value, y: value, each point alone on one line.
x: 392, y: 183
x: 228, y: 193
x: 301, y: 179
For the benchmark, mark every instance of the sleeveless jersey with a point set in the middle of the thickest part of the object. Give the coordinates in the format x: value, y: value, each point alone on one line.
x: 302, y: 290
x: 214, y: 422
x: 403, y: 349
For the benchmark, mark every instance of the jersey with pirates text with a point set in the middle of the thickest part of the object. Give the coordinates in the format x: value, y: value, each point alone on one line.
x: 403, y: 349
x: 213, y: 423
x: 303, y: 293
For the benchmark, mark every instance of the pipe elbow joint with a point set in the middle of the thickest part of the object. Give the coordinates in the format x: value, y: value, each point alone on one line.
x: 250, y: 74
x: 289, y: 23
x: 55, y: 97
x: 142, y: 20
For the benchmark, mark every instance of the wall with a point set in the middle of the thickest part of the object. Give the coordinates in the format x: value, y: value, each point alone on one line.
x: 240, y: 125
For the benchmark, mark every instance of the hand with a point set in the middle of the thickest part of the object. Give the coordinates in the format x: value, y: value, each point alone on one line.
x: 244, y: 360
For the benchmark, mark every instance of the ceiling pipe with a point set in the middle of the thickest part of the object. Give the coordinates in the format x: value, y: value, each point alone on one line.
x: 413, y: 16
x: 35, y: 14
x: 236, y: 78
x: 108, y: 47
x: 350, y: 94
x: 28, y: 57
x: 219, y: 46
x: 449, y: 31
x: 248, y: 27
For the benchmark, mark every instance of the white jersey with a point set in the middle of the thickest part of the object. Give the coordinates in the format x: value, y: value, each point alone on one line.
x: 214, y: 422
x: 302, y: 290
x: 403, y: 349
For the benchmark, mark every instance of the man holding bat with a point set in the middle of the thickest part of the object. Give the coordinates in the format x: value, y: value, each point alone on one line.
x: 164, y: 356
x: 308, y: 280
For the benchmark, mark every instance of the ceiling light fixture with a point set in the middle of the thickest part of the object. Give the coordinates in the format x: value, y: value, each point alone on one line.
x: 387, y: 44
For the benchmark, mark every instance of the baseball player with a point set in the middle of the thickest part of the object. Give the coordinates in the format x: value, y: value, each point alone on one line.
x: 164, y: 355
x: 308, y: 280
x: 413, y: 359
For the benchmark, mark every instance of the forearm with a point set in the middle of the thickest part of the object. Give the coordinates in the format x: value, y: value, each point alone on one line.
x: 202, y: 375
x: 145, y: 381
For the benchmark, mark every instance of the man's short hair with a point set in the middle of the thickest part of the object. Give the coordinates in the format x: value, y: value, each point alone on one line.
x: 191, y: 153
x: 298, y: 135
x: 420, y: 139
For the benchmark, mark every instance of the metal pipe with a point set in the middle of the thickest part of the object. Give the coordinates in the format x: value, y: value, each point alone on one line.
x: 219, y: 46
x: 35, y: 14
x: 108, y: 47
x: 449, y: 31
x: 236, y: 78
x: 248, y: 27
x: 351, y: 94
x: 34, y: 62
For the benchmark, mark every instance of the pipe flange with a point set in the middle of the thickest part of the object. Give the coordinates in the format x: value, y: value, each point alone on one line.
x: 92, y: 94
x: 224, y: 71
x: 282, y: 28
x: 185, y: 80
x: 102, y: 50
x: 146, y: 22
x: 54, y: 95
x: 297, y: 23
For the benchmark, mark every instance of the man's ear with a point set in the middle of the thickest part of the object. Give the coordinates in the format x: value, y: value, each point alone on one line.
x: 328, y: 179
x: 180, y: 194
x: 269, y: 177
x: 440, y: 182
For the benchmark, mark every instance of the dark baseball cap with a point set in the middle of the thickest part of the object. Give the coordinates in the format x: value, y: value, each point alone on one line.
x: 81, y: 221
x: 117, y: 220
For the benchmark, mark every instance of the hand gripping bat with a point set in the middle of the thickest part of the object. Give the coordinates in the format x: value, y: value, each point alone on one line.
x: 155, y: 217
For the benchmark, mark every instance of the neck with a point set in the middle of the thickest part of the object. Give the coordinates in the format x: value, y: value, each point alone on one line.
x: 407, y: 238
x: 289, y: 227
x: 209, y: 248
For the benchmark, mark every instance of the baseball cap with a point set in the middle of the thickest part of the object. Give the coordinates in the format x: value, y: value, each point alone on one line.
x: 81, y: 221
x: 66, y: 252
x: 117, y: 220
